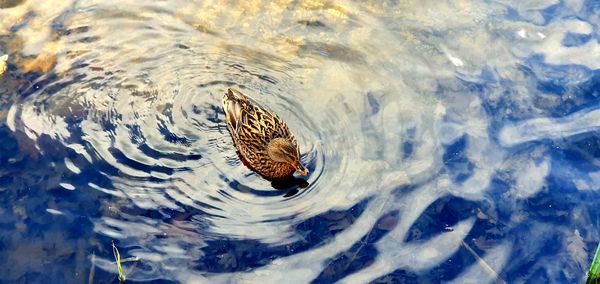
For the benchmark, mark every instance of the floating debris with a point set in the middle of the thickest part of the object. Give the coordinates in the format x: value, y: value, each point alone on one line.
x: 312, y: 24
x: 3, y: 64
x: 96, y: 68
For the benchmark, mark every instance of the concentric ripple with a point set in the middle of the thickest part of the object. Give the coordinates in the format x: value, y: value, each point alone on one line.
x: 142, y: 106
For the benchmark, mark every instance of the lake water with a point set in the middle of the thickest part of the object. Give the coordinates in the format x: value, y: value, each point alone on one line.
x: 448, y: 141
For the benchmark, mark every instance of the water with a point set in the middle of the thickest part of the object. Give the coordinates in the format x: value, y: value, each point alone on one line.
x: 448, y: 141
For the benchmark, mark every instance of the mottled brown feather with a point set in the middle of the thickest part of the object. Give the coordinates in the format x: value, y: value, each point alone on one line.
x: 252, y: 127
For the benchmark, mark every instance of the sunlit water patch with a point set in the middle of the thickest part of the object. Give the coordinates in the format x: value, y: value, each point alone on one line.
x: 446, y: 141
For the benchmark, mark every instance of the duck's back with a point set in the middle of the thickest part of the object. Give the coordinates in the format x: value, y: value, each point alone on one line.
x: 252, y: 127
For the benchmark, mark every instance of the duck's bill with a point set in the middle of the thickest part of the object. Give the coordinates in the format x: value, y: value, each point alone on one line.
x: 302, y: 170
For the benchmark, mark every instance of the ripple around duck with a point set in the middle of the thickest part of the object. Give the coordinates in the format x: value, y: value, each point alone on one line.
x: 149, y: 124
x: 146, y: 127
x: 155, y: 129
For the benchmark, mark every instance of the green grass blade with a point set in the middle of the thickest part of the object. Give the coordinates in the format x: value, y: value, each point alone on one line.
x: 594, y: 272
x: 118, y: 261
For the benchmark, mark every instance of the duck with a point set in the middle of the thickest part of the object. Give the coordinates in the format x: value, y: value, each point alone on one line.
x: 263, y: 141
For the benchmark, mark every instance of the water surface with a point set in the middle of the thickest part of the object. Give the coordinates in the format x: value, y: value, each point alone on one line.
x: 448, y: 141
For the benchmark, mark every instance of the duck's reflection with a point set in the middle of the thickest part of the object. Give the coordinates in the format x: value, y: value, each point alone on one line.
x: 293, y: 184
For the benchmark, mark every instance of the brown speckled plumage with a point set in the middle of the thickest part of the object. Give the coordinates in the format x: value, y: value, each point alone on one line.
x: 252, y: 128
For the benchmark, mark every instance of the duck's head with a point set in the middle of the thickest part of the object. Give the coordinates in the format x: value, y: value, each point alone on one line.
x: 283, y: 150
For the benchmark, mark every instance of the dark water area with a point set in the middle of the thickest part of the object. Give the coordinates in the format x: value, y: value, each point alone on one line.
x: 451, y: 141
